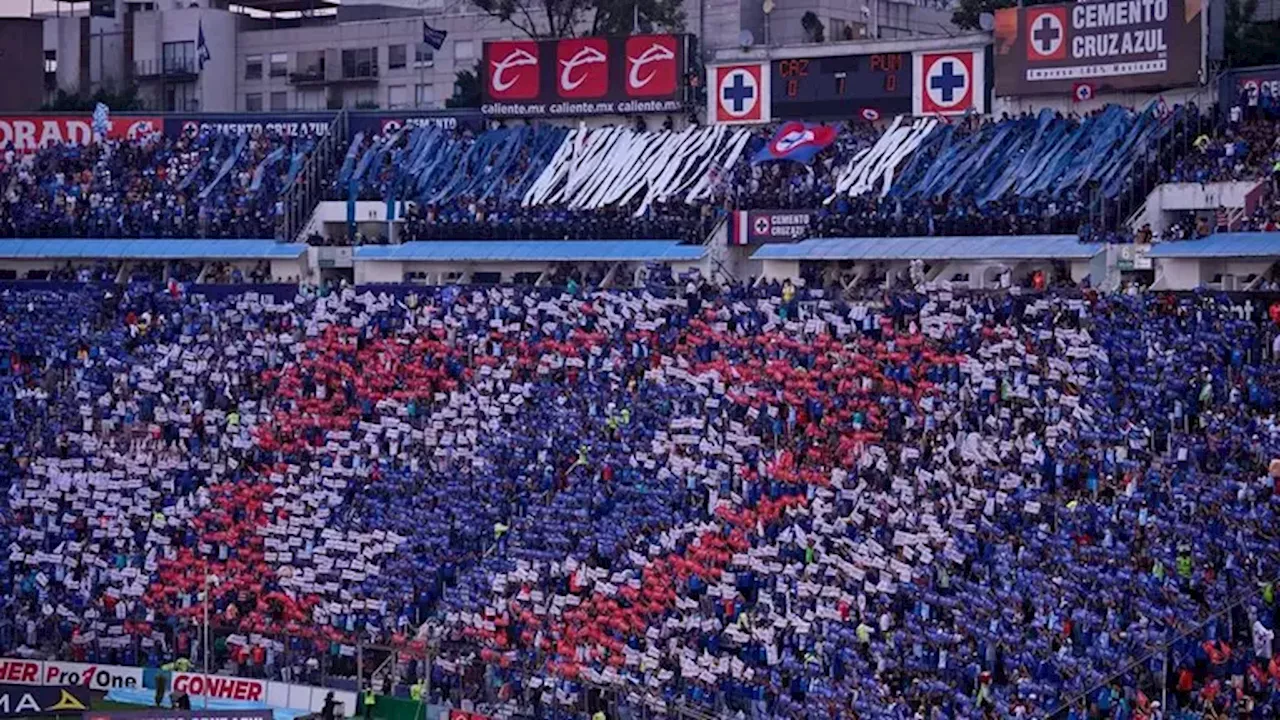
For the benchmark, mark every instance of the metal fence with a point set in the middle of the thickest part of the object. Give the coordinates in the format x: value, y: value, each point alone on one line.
x: 1181, y: 674
x: 308, y: 189
x: 1195, y: 118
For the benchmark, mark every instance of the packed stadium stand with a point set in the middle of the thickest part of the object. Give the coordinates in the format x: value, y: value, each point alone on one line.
x: 850, y: 492
x: 782, y: 504
x: 1040, y: 174
x: 200, y: 184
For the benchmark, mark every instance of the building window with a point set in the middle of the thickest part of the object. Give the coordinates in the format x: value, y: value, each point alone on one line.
x: 360, y: 63
x: 463, y: 50
x: 179, y: 57
x: 397, y: 97
x: 279, y: 64
x: 423, y: 96
x: 838, y: 29
x: 279, y: 101
x: 424, y: 55
x: 397, y: 56
x: 310, y: 65
x: 180, y: 98
x: 311, y: 100
x: 253, y: 102
x: 252, y: 67
x: 362, y: 97
x: 51, y: 61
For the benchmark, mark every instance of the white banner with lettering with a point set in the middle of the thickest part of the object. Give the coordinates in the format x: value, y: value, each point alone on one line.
x: 53, y: 672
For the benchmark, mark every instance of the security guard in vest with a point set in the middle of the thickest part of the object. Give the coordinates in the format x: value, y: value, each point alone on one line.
x: 368, y: 703
x: 1183, y: 562
x: 415, y: 691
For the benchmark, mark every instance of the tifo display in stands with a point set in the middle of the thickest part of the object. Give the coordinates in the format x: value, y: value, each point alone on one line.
x: 425, y: 417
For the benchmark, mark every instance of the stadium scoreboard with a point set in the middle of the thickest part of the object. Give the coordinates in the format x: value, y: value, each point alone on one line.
x: 841, y: 86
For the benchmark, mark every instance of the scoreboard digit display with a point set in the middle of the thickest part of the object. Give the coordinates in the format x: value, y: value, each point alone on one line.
x: 840, y: 87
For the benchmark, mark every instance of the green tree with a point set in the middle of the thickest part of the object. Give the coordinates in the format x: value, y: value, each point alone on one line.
x: 622, y: 17
x: 124, y: 100
x: 466, y: 89
x: 968, y: 13
x: 1245, y: 42
x: 540, y: 19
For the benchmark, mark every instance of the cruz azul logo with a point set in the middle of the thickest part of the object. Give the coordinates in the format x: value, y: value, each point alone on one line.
x: 1047, y: 34
x: 949, y: 83
x: 739, y: 93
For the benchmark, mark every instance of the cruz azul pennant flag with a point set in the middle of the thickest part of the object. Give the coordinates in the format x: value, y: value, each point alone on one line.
x: 796, y: 141
x: 433, y: 37
x: 202, y: 48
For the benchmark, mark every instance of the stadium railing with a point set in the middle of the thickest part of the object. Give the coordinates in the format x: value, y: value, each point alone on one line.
x: 307, y: 191
x: 1154, y: 674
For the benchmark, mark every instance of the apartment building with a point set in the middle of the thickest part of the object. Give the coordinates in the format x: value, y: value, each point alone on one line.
x: 285, y: 55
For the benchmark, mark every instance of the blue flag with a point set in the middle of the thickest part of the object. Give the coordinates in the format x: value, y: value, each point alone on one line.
x: 202, y: 48
x: 796, y: 141
x: 433, y: 37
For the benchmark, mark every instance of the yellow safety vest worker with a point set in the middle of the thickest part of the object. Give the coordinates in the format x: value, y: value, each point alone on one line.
x: 368, y: 697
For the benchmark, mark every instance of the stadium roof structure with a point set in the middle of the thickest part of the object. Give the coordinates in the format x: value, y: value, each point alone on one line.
x: 185, y: 249
x: 1221, y: 245
x: 275, y: 6
x: 995, y: 247
x: 532, y: 251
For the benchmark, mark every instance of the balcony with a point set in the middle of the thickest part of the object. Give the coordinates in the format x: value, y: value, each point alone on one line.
x: 174, y: 70
x: 361, y: 72
x: 308, y: 76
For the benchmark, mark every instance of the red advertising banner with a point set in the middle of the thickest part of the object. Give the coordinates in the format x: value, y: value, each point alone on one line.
x: 28, y: 133
x: 585, y: 76
x: 1112, y: 44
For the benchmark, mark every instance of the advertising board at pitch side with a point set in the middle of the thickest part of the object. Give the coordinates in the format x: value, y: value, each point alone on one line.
x: 57, y: 673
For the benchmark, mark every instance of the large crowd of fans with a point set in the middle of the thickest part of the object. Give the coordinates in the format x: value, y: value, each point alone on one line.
x: 211, y: 184
x: 493, y: 206
x: 761, y: 500
x: 765, y: 501
x: 201, y: 184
